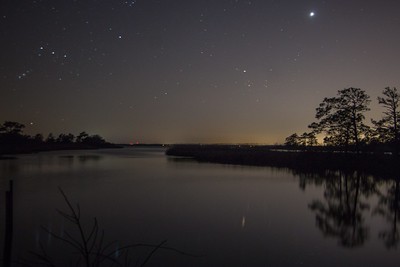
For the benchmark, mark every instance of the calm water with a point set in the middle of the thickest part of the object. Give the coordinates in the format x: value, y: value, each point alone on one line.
x: 232, y: 216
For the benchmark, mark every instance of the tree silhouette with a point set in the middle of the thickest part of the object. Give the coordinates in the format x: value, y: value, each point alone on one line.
x: 81, y: 137
x: 308, y: 139
x: 94, y: 140
x: 38, y: 138
x: 387, y: 128
x: 292, y: 140
x: 11, y: 133
x: 341, y: 118
x: 66, y: 138
x: 50, y: 139
x: 12, y: 127
x: 12, y: 140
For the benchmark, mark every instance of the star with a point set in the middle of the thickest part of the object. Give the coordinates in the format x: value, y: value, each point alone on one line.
x: 312, y: 14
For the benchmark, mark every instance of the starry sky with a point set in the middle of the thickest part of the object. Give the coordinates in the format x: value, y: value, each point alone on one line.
x: 183, y: 71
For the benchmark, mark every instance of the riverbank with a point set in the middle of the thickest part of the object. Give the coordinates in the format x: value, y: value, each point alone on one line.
x: 278, y: 156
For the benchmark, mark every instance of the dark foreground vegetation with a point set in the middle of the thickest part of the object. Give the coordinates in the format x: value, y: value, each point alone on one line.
x: 89, y: 248
x: 14, y: 141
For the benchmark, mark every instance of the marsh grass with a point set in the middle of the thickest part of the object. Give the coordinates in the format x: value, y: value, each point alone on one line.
x: 317, y: 159
x: 89, y: 246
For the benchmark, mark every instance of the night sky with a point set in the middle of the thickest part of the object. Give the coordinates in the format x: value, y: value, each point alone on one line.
x: 178, y: 71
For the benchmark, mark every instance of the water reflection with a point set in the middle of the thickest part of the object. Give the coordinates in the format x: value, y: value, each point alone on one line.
x: 88, y: 158
x: 340, y: 213
x: 235, y: 215
x: 346, y: 202
x: 69, y: 159
x: 389, y: 208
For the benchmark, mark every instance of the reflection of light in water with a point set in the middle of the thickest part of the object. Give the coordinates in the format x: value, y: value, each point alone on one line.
x: 243, y: 221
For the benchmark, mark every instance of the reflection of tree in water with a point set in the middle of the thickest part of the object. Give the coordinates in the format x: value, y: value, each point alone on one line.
x: 389, y: 207
x: 340, y: 214
x: 310, y: 177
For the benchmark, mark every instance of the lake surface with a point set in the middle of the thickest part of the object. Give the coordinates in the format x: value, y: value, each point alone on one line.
x: 226, y: 215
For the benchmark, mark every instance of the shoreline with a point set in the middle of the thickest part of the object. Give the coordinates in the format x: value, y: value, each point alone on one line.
x: 312, y: 161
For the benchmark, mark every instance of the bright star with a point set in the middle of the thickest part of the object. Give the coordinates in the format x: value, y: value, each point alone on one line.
x: 312, y: 14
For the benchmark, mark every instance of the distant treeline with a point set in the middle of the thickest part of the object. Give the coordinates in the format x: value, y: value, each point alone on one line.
x: 13, y: 140
x: 341, y: 122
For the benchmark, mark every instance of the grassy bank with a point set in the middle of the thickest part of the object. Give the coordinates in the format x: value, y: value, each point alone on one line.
x: 278, y: 156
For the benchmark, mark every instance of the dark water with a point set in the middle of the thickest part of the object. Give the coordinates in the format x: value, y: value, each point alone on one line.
x: 232, y: 216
